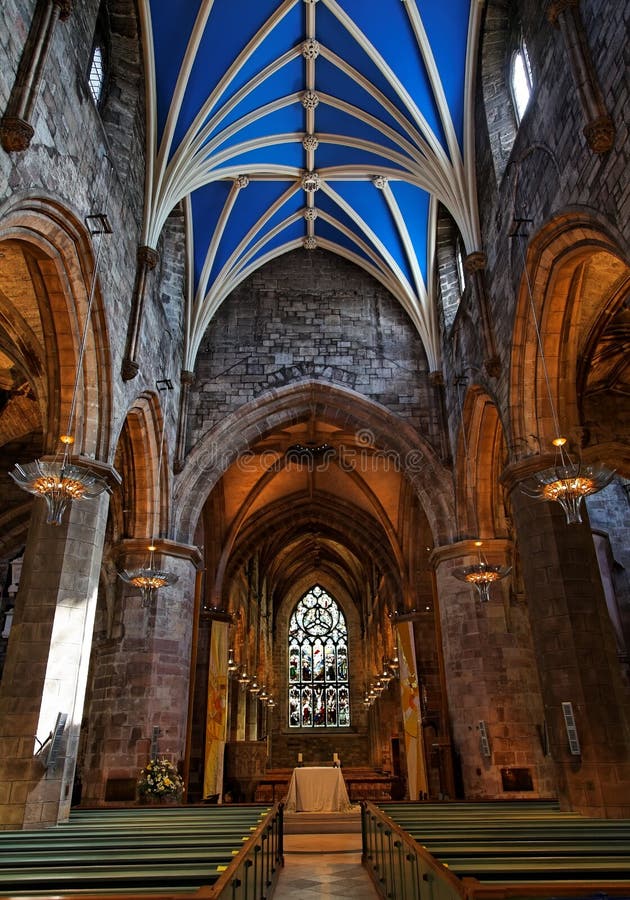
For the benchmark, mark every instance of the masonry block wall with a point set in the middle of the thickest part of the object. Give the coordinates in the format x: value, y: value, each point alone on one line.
x: 309, y: 314
x: 94, y: 161
x: 550, y: 167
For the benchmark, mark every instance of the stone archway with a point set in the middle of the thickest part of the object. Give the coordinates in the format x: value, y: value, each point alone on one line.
x: 369, y: 424
x: 579, y: 282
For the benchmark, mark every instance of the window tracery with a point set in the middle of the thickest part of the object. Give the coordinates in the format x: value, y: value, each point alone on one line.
x: 318, y: 676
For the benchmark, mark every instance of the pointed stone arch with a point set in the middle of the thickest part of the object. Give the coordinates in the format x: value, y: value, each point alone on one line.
x: 482, y: 456
x: 579, y: 279
x: 145, y: 500
x: 60, y: 256
x: 292, y: 404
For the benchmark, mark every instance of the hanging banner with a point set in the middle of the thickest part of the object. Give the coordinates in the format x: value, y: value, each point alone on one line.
x: 411, y: 712
x: 216, y: 720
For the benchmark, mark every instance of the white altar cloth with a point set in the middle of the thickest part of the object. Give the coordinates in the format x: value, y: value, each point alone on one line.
x: 317, y: 789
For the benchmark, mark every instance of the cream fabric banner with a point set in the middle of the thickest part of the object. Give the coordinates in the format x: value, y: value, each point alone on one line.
x: 412, y: 717
x: 216, y: 720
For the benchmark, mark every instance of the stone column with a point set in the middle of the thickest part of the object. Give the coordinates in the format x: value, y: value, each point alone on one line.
x: 141, y: 682
x: 599, y: 130
x: 475, y: 264
x: 491, y: 678
x: 147, y: 260
x: 16, y: 131
x: 47, y: 662
x: 252, y: 717
x: 187, y: 379
x: 577, y: 660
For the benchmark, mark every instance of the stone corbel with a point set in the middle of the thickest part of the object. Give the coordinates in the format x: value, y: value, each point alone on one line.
x: 133, y: 548
x: 187, y: 379
x: 599, y: 130
x: 147, y: 260
x: 16, y: 131
x: 475, y: 264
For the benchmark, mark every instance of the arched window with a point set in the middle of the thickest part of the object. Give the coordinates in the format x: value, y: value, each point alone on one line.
x: 99, y: 58
x: 319, y: 693
x: 96, y: 78
x: 521, y: 82
x: 459, y: 261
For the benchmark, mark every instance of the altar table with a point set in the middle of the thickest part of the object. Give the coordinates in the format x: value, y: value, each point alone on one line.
x: 317, y: 789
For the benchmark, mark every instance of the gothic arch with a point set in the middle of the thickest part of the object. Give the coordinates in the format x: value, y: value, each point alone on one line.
x: 579, y: 280
x: 480, y: 500
x: 59, y: 253
x: 144, y: 501
x: 334, y: 520
x: 292, y: 404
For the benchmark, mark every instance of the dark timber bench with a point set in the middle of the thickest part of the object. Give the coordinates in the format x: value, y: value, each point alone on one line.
x: 132, y: 850
x: 496, y: 850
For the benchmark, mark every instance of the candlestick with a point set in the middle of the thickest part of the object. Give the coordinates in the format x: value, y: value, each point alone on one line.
x: 299, y: 757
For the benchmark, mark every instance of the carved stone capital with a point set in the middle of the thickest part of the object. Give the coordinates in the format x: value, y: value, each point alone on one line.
x: 437, y: 378
x: 492, y: 365
x: 499, y: 549
x: 15, y: 134
x: 476, y: 261
x: 600, y: 134
x: 130, y: 369
x: 557, y: 7
x: 187, y: 377
x: 148, y: 257
x: 65, y: 8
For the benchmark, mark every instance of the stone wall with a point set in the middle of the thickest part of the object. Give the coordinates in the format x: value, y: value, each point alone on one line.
x: 309, y: 314
x: 550, y: 169
x: 93, y: 160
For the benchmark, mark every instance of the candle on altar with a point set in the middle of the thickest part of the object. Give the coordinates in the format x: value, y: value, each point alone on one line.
x: 335, y: 757
x: 299, y: 757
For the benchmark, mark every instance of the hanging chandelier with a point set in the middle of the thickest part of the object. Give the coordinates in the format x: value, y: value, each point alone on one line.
x: 567, y: 481
x: 58, y: 480
x: 481, y: 574
x: 149, y: 579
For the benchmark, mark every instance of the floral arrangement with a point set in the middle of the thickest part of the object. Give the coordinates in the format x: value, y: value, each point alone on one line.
x: 159, y: 780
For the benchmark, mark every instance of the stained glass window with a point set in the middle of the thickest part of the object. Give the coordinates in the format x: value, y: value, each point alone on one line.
x: 319, y: 693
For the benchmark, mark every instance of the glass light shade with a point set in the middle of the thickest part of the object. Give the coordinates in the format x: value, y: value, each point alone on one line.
x: 232, y: 665
x: 567, y: 483
x: 243, y: 678
x: 271, y: 701
x: 254, y: 687
x: 481, y: 575
x: 59, y: 483
x: 148, y: 580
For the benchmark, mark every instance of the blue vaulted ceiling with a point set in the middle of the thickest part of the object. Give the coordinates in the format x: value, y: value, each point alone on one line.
x: 337, y: 124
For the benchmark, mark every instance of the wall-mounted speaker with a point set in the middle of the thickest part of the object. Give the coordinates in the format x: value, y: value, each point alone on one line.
x: 484, y: 742
x: 569, y: 724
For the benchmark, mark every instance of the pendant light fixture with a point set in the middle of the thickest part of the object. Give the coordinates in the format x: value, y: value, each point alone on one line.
x: 60, y: 481
x: 480, y: 574
x: 568, y: 480
x: 149, y: 579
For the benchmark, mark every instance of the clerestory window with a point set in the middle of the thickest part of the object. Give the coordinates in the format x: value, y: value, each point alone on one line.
x: 319, y: 692
x: 96, y: 78
x: 521, y: 82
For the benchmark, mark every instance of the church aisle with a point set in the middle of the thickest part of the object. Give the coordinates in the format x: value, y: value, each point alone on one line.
x: 321, y: 866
